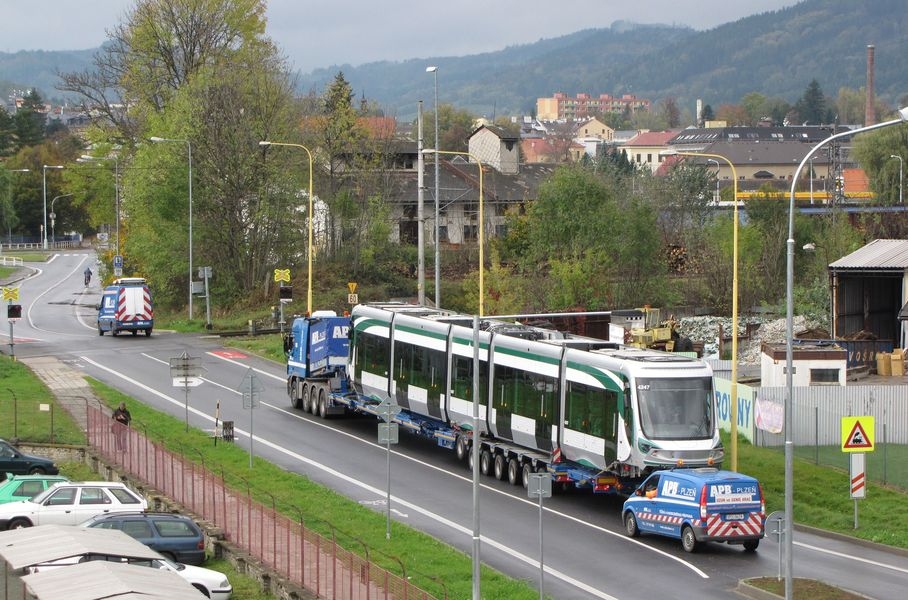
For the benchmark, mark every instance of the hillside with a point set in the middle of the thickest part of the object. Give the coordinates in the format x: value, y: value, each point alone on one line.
x: 775, y: 53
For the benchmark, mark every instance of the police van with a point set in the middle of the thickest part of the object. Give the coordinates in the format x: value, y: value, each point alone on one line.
x: 697, y: 506
x: 126, y: 306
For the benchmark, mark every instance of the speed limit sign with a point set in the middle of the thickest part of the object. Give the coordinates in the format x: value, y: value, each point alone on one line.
x: 352, y: 298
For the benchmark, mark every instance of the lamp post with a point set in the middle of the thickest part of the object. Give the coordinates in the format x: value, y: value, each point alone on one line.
x: 712, y: 160
x: 53, y: 216
x: 734, y: 305
x: 189, y: 150
x: 901, y: 174
x: 434, y: 71
x: 44, y: 169
x: 789, y: 343
x: 311, y: 217
x: 9, y: 228
x: 481, y: 219
x: 88, y: 158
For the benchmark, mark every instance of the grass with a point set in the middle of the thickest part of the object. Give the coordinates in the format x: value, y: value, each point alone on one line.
x: 804, y: 589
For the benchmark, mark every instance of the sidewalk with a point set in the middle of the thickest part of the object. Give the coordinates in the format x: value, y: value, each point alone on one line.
x: 66, y: 384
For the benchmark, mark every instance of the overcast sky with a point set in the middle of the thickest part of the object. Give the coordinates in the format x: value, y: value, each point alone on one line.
x: 324, y: 34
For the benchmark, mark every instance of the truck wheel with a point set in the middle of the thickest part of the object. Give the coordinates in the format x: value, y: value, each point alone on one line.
x: 688, y: 539
x: 751, y: 545
x: 460, y: 447
x: 485, y: 461
x: 312, y: 405
x: 525, y: 475
x: 322, y: 404
x: 513, y: 471
x: 630, y: 524
x: 294, y: 393
x: 501, y: 469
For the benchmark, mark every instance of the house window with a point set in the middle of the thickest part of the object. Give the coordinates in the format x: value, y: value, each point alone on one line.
x: 470, y: 232
x: 824, y: 376
x: 443, y: 233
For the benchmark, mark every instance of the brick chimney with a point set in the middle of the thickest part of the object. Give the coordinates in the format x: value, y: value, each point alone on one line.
x: 869, y: 116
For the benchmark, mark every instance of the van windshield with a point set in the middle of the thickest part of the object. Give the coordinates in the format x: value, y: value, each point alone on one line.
x: 676, y: 409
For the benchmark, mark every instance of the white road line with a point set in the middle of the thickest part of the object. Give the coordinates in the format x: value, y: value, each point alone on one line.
x: 850, y: 557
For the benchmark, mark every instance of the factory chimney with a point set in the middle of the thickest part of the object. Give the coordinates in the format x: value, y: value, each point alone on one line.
x: 869, y: 116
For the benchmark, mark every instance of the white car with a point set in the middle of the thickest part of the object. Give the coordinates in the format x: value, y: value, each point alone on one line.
x: 213, y: 584
x: 70, y: 503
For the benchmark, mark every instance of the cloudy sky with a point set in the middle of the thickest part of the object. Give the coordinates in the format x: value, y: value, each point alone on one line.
x: 323, y: 34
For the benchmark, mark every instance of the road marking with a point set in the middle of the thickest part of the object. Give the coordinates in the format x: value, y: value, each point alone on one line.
x: 850, y: 557
x: 533, y: 561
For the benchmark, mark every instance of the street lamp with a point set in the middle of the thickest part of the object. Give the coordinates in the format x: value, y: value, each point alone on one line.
x: 44, y: 169
x: 712, y: 160
x: 87, y: 158
x: 901, y: 174
x: 789, y: 343
x: 734, y: 304
x: 481, y: 220
x: 189, y: 149
x: 53, y: 216
x: 9, y: 227
x: 311, y: 217
x: 434, y: 71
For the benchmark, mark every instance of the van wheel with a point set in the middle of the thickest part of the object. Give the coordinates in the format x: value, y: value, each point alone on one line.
x: 100, y: 331
x: 485, y: 461
x: 501, y: 469
x: 148, y: 333
x: 751, y: 545
x: 513, y: 471
x: 135, y: 332
x: 630, y: 524
x: 688, y: 539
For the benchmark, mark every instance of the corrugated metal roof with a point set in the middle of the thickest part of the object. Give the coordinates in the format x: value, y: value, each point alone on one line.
x: 100, y: 579
x: 878, y: 254
x: 34, y: 545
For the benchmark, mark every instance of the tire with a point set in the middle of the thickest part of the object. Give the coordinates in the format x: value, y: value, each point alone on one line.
x: 460, y: 447
x: 100, y: 331
x: 630, y: 524
x: 295, y: 394
x: 485, y: 462
x: 312, y: 405
x: 114, y: 332
x: 37, y: 471
x: 501, y: 468
x: 514, y: 471
x: 751, y: 545
x: 322, y: 404
x: 135, y: 332
x: 148, y: 333
x: 688, y: 539
x: 19, y: 523
x: 525, y: 475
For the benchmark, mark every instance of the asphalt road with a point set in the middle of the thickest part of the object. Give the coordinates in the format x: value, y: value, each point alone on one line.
x: 586, y: 554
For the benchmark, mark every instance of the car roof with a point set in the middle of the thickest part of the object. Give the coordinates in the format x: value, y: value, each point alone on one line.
x: 11, y: 476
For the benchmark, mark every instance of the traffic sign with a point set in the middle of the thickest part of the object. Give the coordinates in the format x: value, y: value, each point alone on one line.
x: 857, y: 434
x: 352, y: 298
x: 11, y: 293
x: 282, y: 275
x: 187, y: 381
x: 118, y: 262
x: 387, y: 433
x: 858, y: 476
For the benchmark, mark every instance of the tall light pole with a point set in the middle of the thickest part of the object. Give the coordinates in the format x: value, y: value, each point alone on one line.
x: 734, y: 304
x: 789, y: 343
x: 901, y: 175
x: 189, y: 149
x: 311, y: 216
x: 434, y: 71
x: 712, y: 160
x: 9, y: 227
x: 53, y: 216
x: 481, y: 218
x: 44, y: 169
x: 86, y: 158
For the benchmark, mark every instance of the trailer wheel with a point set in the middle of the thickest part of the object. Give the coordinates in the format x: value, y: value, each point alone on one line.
x: 322, y: 404
x: 295, y: 393
x: 312, y: 405
x: 460, y: 447
x: 525, y: 475
x: 501, y: 469
x: 485, y: 461
x: 630, y: 524
x: 688, y: 539
x: 514, y: 471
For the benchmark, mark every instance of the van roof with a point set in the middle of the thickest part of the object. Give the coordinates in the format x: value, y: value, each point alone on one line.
x: 711, y: 474
x: 129, y: 281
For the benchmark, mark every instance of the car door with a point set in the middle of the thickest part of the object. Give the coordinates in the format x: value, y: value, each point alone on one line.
x: 647, y: 507
x: 58, y: 508
x: 7, y: 460
x: 92, y: 501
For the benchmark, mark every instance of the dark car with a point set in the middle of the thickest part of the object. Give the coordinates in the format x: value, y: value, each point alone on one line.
x: 15, y: 462
x: 175, y: 536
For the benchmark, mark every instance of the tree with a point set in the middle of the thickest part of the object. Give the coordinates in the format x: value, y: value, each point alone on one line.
x: 30, y: 119
x: 707, y: 113
x: 671, y: 113
x: 8, y: 136
x: 811, y: 107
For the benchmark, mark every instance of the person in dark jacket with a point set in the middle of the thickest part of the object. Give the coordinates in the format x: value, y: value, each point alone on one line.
x: 122, y: 419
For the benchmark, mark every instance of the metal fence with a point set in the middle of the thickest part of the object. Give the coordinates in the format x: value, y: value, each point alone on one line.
x: 816, y: 432
x: 302, y: 556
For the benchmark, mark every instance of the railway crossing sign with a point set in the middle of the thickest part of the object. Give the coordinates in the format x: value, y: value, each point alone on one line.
x: 11, y: 293
x: 857, y: 434
x: 282, y: 275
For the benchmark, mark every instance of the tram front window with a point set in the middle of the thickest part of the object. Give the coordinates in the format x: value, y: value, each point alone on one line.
x: 675, y: 408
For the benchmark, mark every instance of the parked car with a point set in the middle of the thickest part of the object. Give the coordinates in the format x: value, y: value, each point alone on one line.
x: 174, y: 536
x: 213, y: 584
x: 696, y: 506
x: 70, y: 503
x: 25, y: 487
x: 18, y: 463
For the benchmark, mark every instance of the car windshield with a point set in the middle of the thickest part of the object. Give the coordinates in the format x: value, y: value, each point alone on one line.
x: 678, y: 409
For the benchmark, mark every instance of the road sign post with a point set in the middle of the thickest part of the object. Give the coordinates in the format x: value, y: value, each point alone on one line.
x: 387, y: 435
x: 251, y: 388
x: 857, y: 438
x: 540, y: 486
x: 186, y: 371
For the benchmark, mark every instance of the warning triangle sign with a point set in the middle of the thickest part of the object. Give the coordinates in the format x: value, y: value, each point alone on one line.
x: 858, y: 438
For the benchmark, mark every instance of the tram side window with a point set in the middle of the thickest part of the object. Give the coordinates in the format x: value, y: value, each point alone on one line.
x: 372, y: 352
x: 591, y: 410
x: 462, y: 380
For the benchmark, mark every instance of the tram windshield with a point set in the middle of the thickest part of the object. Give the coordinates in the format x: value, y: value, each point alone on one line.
x: 675, y: 408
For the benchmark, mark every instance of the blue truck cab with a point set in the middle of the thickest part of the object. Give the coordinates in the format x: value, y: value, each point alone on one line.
x: 317, y: 348
x: 126, y: 306
x: 696, y: 506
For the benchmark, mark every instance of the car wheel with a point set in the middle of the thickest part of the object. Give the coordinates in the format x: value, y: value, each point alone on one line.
x: 485, y: 462
x: 513, y: 471
x: 202, y: 589
x: 688, y: 539
x: 501, y: 469
x: 751, y: 545
x: 630, y: 524
x: 19, y: 523
x: 37, y: 471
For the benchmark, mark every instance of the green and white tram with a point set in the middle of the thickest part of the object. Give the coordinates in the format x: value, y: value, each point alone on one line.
x: 547, y: 400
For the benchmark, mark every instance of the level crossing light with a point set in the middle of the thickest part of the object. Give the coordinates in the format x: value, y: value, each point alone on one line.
x: 311, y: 216
x: 189, y: 149
x: 44, y: 169
x: 789, y: 343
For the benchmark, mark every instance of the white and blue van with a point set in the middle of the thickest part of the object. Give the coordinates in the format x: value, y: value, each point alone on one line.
x: 126, y: 306
x: 696, y: 506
